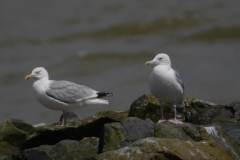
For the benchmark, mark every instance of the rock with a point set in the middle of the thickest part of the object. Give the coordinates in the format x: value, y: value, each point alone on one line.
x: 148, y: 106
x: 195, y: 111
x: 120, y: 134
x: 167, y: 149
x: 89, y: 146
x: 187, y: 141
x: 216, y: 113
x: 71, y: 116
x: 114, y: 135
x: 234, y: 108
x: 196, y: 133
x: 227, y: 139
x: 187, y: 131
x: 199, y: 111
x: 232, y: 129
x: 76, y: 130
x: 64, y: 150
x: 5, y: 157
x: 15, y: 135
x: 32, y: 155
x: 228, y: 116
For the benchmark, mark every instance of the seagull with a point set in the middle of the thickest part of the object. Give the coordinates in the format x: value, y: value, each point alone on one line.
x: 63, y: 95
x: 166, y: 84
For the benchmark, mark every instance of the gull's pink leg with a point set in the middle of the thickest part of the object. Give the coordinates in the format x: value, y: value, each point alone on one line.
x: 63, y: 119
x: 175, y: 121
x: 161, y: 120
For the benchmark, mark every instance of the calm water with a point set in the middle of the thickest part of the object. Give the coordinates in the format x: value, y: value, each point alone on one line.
x: 104, y: 45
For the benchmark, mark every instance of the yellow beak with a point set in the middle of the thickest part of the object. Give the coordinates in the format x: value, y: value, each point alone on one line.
x: 29, y: 76
x: 147, y: 63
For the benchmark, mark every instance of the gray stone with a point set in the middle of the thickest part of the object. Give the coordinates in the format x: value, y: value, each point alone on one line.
x: 120, y: 134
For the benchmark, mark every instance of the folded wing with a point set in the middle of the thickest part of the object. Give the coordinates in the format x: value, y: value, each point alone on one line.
x: 179, y: 80
x: 69, y: 92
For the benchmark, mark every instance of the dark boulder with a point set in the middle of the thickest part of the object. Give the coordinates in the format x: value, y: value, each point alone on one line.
x: 120, y: 134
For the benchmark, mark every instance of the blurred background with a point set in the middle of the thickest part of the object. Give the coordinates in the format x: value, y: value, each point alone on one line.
x: 105, y: 44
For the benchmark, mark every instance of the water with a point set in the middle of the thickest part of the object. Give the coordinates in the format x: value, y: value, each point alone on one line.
x: 104, y: 45
x: 215, y: 135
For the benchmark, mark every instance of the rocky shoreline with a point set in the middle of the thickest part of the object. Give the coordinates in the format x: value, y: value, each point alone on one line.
x: 210, y: 131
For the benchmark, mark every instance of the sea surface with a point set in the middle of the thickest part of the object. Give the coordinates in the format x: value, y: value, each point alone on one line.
x: 105, y: 44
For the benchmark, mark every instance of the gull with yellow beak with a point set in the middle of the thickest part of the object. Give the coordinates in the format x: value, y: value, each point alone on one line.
x: 166, y: 84
x: 63, y: 95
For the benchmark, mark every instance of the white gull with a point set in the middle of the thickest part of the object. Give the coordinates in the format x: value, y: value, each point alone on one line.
x: 166, y: 84
x: 63, y: 95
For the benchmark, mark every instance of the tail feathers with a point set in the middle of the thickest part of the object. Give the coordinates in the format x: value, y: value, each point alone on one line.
x: 95, y: 101
x: 104, y: 94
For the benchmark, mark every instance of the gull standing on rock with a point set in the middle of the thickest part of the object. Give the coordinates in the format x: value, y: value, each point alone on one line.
x: 166, y: 84
x: 63, y: 95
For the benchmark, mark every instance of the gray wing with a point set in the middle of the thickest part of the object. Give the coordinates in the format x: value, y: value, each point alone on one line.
x: 69, y: 92
x: 179, y: 79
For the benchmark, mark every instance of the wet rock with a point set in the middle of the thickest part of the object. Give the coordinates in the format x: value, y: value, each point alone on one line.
x: 120, y: 134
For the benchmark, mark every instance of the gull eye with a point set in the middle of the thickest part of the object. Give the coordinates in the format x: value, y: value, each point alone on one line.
x: 159, y: 58
x: 37, y: 72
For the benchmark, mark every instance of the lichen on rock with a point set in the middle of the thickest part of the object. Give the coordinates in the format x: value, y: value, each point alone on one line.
x: 148, y: 106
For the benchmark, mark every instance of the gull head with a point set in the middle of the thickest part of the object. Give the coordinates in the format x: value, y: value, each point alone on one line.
x: 38, y: 73
x: 160, y: 59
